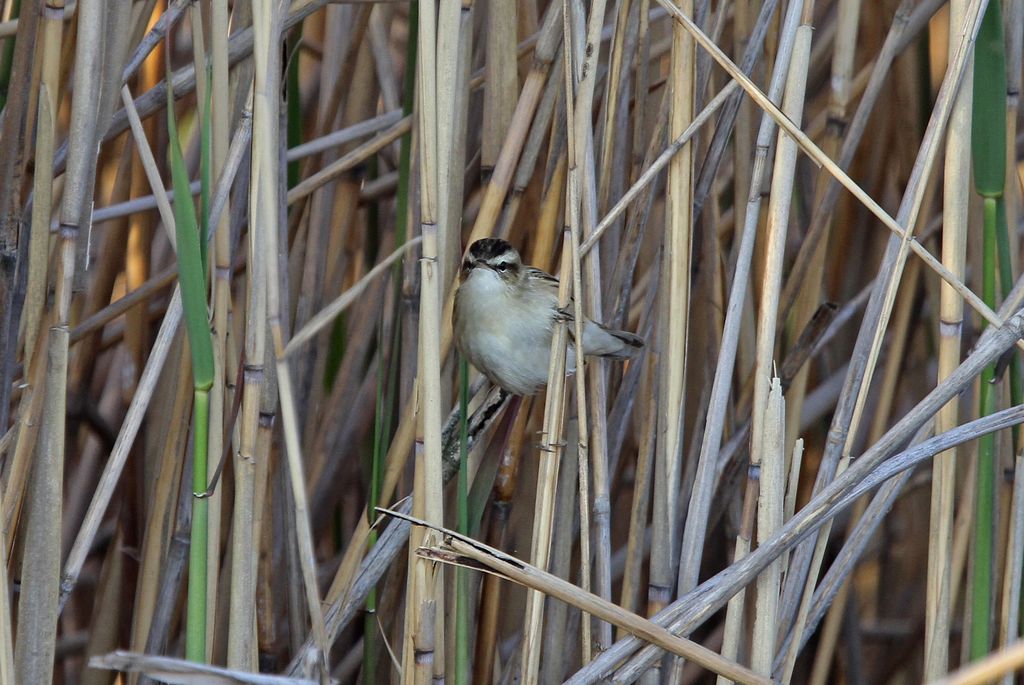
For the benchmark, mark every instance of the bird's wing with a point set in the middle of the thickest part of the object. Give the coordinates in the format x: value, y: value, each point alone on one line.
x: 544, y: 276
x: 548, y: 284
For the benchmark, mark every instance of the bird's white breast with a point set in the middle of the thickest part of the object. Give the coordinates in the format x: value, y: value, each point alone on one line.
x: 505, y: 332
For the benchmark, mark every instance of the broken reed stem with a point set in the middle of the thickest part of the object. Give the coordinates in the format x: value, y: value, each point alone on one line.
x: 552, y: 585
x: 686, y: 612
x: 769, y: 519
x: 695, y: 530
x: 778, y: 220
x: 807, y: 560
x: 843, y: 54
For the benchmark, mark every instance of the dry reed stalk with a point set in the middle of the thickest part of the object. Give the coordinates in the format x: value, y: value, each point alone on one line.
x: 858, y: 380
x: 497, y: 186
x: 331, y: 246
x: 1014, y: 570
x: 501, y: 81
x: 6, y: 630
x: 383, y: 64
x: 167, y: 460
x: 424, y: 622
x: 912, y: 198
x: 349, y: 161
x: 673, y: 328
x: 1005, y: 662
x: 961, y: 570
x: 631, y: 579
x: 549, y: 455
x: 900, y: 333
x: 743, y: 152
x: 593, y: 444
x: 39, y: 241
x: 119, y: 455
x: 956, y: 190
x: 38, y: 608
x: 641, y: 65
x: 241, y: 639
x: 318, y: 145
x: 778, y: 220
x: 149, y: 166
x: 505, y: 483
x: 871, y: 80
x: 866, y: 351
x: 614, y: 169
x: 42, y: 182
x: 540, y: 129
x: 40, y: 571
x: 149, y: 59
x: 264, y: 256
x: 453, y: 58
x: 847, y: 24
x: 691, y: 550
x: 267, y: 630
x: 24, y: 436
x: 459, y: 549
x: 560, y: 625
x: 770, y: 505
x: 686, y: 612
x: 15, y: 125
x: 170, y: 669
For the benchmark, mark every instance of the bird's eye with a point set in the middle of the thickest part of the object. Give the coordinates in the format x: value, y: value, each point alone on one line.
x: 502, y: 266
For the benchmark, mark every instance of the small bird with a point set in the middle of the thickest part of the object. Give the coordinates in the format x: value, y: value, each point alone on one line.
x: 505, y: 315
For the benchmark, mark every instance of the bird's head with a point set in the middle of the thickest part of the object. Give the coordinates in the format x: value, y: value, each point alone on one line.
x: 494, y: 257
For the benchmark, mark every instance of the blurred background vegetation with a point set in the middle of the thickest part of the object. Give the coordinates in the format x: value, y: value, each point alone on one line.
x: 229, y: 237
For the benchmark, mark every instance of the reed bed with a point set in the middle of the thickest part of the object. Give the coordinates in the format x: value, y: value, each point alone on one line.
x: 237, y: 443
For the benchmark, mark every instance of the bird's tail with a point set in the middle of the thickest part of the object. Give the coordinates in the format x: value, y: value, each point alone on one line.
x: 609, y: 343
